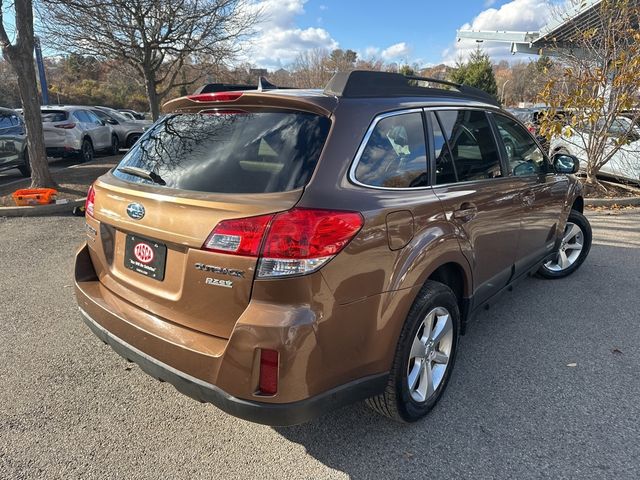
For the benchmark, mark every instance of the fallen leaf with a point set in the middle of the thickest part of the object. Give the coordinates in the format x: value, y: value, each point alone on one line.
x: 572, y: 364
x: 616, y: 351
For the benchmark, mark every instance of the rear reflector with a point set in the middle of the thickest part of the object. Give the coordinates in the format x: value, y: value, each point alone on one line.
x: 295, y: 242
x: 268, y: 384
x: 89, y: 204
x: 215, y: 97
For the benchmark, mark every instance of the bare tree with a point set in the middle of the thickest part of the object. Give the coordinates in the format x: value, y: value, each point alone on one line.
x: 156, y: 37
x: 19, y: 54
x: 598, y: 88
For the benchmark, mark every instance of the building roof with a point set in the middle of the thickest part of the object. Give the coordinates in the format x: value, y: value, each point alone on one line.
x: 559, y: 32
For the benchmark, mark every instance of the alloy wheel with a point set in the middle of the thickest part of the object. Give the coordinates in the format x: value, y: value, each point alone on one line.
x: 430, y: 354
x: 570, y: 248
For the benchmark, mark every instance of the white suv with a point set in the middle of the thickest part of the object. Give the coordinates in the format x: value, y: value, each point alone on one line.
x: 70, y: 130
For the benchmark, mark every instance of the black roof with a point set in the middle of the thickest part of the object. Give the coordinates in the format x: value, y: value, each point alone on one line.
x: 363, y: 84
x: 368, y: 84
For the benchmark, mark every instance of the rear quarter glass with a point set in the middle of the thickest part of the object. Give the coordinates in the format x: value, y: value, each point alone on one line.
x: 230, y: 152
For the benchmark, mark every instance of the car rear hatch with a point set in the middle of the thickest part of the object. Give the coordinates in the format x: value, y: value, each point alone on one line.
x: 55, y: 124
x: 156, y: 211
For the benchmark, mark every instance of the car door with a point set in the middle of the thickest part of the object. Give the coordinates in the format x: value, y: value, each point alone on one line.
x: 625, y: 163
x: 101, y: 132
x: 541, y: 193
x: 7, y: 153
x: 475, y: 195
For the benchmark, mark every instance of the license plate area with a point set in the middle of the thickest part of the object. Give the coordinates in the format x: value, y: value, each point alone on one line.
x: 144, y: 256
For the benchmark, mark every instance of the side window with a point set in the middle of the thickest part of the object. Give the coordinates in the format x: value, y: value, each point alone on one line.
x: 5, y: 121
x: 471, y: 142
x: 81, y: 116
x: 101, y: 115
x: 445, y: 169
x: 93, y: 118
x: 395, y: 155
x: 524, y: 156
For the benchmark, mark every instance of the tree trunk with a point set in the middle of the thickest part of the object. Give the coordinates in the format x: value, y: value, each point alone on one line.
x: 20, y: 57
x: 40, y: 174
x: 152, y: 94
x: 591, y: 185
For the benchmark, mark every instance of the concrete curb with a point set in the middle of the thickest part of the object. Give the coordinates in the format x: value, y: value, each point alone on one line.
x: 42, y: 210
x: 609, y: 202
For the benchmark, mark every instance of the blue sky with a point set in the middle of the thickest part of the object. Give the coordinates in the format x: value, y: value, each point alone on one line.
x: 401, y: 31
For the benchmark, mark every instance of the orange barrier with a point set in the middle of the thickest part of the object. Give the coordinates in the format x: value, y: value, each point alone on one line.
x: 34, y: 196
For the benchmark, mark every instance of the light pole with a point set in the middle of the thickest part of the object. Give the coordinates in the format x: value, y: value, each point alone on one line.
x: 504, y: 85
x: 43, y: 76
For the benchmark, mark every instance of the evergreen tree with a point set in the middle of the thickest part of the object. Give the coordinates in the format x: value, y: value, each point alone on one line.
x: 476, y: 72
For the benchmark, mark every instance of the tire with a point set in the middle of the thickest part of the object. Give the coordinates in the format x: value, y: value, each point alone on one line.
x: 132, y: 139
x: 399, y: 401
x: 86, y: 151
x: 575, y: 246
x: 115, y: 145
x: 25, y: 168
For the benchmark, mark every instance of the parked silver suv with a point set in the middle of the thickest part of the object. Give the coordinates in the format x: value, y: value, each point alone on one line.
x: 74, y: 130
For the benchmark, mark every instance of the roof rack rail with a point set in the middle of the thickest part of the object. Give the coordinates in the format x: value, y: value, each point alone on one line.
x: 262, y: 86
x: 364, y: 83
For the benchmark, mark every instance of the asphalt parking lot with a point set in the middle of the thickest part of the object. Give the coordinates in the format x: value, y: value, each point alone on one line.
x: 72, y: 408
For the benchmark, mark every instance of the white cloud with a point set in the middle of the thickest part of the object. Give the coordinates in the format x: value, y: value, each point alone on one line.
x: 517, y: 15
x: 397, y: 51
x: 279, y: 40
x: 489, y: 3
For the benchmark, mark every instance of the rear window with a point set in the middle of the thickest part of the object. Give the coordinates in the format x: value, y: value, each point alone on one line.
x: 256, y: 152
x: 50, y: 116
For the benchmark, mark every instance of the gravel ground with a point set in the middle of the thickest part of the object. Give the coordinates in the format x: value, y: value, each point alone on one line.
x: 72, y: 408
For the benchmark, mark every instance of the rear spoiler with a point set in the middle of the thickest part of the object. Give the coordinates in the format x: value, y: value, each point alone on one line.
x: 262, y: 86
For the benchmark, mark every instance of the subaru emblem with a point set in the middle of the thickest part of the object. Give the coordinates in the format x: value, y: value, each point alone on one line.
x: 135, y: 211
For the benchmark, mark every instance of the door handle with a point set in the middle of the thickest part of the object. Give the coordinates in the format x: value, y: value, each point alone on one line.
x: 466, y: 212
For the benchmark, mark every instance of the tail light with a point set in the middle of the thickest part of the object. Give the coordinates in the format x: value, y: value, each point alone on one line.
x: 90, y: 202
x: 242, y: 236
x: 294, y: 242
x: 66, y: 126
x: 302, y: 240
x: 268, y: 382
x: 215, y: 97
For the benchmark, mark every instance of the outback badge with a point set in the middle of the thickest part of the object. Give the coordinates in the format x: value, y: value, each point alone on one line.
x: 135, y: 211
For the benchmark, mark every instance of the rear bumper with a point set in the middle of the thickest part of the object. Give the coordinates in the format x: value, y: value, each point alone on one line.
x: 209, y: 369
x: 60, y: 151
x: 266, y: 413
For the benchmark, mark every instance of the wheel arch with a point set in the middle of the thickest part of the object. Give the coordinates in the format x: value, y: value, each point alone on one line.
x: 453, y: 275
x: 578, y: 204
x: 130, y: 136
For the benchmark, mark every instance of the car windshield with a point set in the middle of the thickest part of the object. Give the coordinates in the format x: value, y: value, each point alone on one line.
x: 233, y: 152
x: 115, y: 115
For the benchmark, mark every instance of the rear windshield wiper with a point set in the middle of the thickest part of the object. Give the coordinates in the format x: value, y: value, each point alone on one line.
x: 142, y: 173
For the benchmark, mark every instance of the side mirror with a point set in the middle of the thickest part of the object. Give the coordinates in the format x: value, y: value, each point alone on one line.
x: 564, y: 163
x: 112, y: 121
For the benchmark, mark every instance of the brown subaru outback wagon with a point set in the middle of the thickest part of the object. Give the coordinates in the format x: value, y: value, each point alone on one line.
x: 280, y: 253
